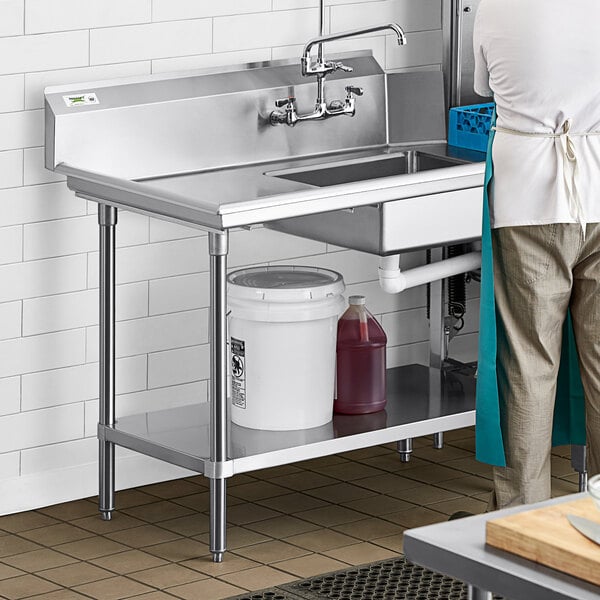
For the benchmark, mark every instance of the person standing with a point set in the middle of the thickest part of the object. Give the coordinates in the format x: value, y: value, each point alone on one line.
x: 540, y: 59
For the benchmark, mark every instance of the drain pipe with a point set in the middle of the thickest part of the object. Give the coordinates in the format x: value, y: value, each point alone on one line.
x: 394, y: 281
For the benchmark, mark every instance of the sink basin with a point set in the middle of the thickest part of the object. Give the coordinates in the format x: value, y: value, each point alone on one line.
x: 401, y: 163
x: 401, y: 225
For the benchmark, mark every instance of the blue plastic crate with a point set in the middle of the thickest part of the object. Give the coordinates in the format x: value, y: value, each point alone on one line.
x: 469, y: 126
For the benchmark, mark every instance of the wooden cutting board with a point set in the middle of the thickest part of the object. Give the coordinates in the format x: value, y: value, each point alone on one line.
x: 545, y: 536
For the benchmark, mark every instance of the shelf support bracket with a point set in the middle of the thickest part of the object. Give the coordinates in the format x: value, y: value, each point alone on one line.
x: 218, y: 470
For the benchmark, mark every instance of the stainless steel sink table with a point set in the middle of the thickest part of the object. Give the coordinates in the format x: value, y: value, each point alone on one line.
x: 199, y: 149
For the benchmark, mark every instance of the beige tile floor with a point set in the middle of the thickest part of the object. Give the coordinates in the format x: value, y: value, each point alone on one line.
x: 285, y: 523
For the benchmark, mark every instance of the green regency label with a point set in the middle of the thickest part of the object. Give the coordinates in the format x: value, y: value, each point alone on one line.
x: 81, y: 99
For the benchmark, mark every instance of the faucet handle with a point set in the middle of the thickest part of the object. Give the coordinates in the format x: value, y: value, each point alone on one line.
x: 338, y: 65
x: 357, y: 91
x: 285, y: 102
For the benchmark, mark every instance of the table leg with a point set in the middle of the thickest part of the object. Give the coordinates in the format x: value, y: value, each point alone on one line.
x: 218, y: 248
x: 438, y: 440
x: 579, y: 464
x: 107, y: 220
x: 478, y: 594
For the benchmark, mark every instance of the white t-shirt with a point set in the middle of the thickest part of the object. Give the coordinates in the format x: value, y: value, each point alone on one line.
x: 541, y: 61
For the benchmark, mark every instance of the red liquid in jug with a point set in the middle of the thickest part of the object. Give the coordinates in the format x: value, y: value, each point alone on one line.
x: 361, y: 344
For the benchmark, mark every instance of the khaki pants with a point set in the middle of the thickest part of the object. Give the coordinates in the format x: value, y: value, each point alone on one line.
x: 539, y: 271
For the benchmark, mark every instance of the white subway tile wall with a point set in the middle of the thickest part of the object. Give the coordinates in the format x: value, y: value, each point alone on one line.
x: 174, y: 367
x: 172, y: 10
x: 80, y: 309
x: 11, y: 244
x: 34, y: 171
x: 40, y: 427
x: 264, y: 29
x: 174, y: 294
x: 48, y: 238
x: 42, y: 352
x: 155, y: 40
x: 27, y: 53
x: 42, y: 277
x: 10, y: 320
x: 11, y: 92
x: 22, y: 129
x: 11, y: 168
x: 77, y: 384
x: 61, y: 15
x: 10, y: 392
x: 11, y: 17
x: 36, y: 203
x: 9, y: 465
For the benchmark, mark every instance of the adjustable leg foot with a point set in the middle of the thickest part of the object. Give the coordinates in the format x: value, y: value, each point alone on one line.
x: 218, y: 514
x: 106, y: 515
x: 438, y: 440
x: 405, y: 448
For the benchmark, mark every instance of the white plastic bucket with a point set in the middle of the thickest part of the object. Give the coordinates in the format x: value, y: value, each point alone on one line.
x: 282, y: 335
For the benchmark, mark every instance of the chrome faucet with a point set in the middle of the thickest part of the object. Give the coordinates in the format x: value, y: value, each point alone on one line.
x: 322, y: 67
x: 287, y: 113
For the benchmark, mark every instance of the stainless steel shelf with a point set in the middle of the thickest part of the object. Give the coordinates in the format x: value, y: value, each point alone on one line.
x: 421, y: 401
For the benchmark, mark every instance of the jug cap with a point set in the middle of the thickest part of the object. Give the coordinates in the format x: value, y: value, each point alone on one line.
x: 357, y: 300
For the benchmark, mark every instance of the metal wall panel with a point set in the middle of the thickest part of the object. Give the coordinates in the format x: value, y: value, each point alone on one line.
x: 459, y: 65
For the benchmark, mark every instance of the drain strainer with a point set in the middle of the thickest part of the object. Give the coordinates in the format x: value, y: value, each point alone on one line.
x: 386, y: 580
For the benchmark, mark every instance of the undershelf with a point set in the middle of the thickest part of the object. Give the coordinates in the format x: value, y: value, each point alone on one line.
x: 420, y: 401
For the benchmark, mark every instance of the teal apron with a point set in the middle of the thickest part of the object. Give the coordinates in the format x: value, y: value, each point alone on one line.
x: 569, y: 410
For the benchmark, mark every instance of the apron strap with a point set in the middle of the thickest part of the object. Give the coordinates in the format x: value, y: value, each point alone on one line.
x: 571, y: 175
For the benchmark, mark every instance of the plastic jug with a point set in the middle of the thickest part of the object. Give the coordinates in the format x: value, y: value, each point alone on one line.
x: 361, y: 345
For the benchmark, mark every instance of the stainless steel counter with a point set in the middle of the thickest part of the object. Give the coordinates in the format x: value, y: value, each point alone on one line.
x: 458, y: 548
x: 233, y: 197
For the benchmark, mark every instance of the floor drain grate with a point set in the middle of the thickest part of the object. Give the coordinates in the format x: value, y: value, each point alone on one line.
x: 386, y: 580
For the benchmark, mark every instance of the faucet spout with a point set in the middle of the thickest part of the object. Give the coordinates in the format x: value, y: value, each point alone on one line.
x: 306, y: 61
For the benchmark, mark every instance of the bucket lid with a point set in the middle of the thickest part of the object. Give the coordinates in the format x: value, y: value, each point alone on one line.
x: 285, y: 283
